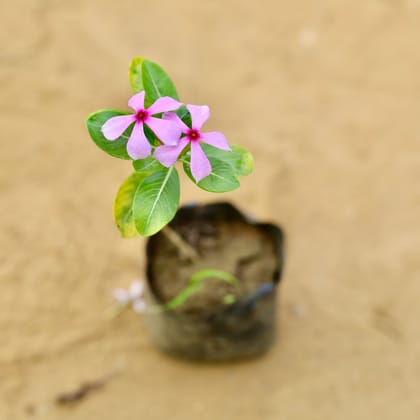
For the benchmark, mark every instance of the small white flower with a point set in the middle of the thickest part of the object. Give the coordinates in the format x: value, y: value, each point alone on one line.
x: 139, y: 306
x: 132, y: 296
x: 136, y: 289
x: 121, y: 296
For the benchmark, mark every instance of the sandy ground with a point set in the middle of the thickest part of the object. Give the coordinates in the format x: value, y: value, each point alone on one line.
x: 326, y: 96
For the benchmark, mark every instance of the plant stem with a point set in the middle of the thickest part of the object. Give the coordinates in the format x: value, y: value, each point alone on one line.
x: 186, y: 251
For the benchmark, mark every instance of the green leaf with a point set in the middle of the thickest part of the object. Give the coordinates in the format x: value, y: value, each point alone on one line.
x: 135, y: 74
x: 239, y: 158
x: 146, y: 75
x: 221, y: 179
x: 116, y: 148
x: 150, y: 136
x: 212, y: 273
x: 156, y: 82
x: 156, y: 201
x: 182, y: 296
x: 229, y: 299
x: 184, y: 115
x: 150, y: 164
x: 123, y: 204
x: 195, y: 283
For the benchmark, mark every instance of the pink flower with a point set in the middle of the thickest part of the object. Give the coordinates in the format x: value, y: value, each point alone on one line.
x: 167, y: 155
x: 138, y: 147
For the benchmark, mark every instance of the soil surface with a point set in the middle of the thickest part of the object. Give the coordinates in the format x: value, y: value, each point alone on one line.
x: 325, y: 95
x: 232, y: 245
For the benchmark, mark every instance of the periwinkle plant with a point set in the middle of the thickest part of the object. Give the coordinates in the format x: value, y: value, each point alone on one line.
x: 159, y: 132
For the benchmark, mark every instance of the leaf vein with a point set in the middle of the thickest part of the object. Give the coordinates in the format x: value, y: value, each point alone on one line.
x: 160, y: 191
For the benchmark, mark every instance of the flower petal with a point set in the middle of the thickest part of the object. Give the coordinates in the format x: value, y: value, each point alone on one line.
x: 168, y: 155
x: 115, y: 126
x: 139, y: 306
x: 138, y: 147
x: 136, y: 289
x: 171, y: 116
x: 199, y: 115
x: 120, y: 295
x: 137, y: 101
x: 200, y: 165
x: 164, y: 104
x: 167, y: 131
x: 216, y: 139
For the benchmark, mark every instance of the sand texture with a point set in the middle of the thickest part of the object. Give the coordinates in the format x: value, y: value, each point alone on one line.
x: 326, y: 96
